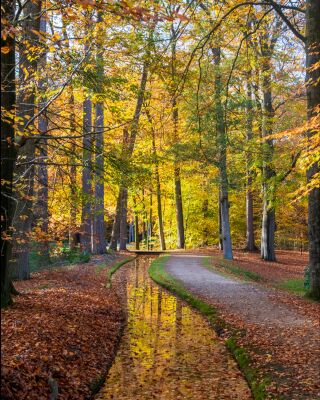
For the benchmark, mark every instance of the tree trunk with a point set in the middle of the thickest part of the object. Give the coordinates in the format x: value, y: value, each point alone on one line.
x: 123, y: 219
x: 99, y: 239
x: 42, y: 212
x: 222, y: 146
x: 179, y: 208
x: 249, y: 196
x: 73, y: 177
x: 268, y: 189
x: 116, y: 225
x: 158, y: 185
x: 220, y: 225
x: 25, y: 170
x: 250, y: 246
x: 313, y: 102
x: 115, y: 235
x: 151, y: 222
x: 175, y: 122
x: 99, y: 231
x: 205, y: 209
x: 86, y: 217
x: 136, y: 226
x: 159, y: 207
x: 8, y: 152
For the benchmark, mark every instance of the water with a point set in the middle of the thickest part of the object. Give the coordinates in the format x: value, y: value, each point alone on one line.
x: 168, y: 350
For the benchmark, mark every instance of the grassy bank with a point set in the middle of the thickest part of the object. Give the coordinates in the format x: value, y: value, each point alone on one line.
x: 158, y: 273
x: 228, y: 268
x: 115, y: 268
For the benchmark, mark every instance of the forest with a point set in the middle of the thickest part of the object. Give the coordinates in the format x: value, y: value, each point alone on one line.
x: 140, y: 127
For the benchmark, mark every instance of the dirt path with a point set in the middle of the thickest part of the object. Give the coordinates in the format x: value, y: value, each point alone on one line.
x: 282, y: 342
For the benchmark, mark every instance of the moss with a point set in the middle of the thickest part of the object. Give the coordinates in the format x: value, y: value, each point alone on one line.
x: 158, y: 273
x: 293, y: 285
x: 228, y: 267
x: 115, y: 268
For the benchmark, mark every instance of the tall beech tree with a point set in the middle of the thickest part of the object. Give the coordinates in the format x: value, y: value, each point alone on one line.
x: 312, y: 44
x: 175, y: 124
x: 8, y: 150
x: 42, y: 212
x: 99, y: 240
x: 87, y: 194
x: 222, y: 161
x: 25, y: 167
x: 312, y: 48
x: 267, y: 44
x: 250, y: 237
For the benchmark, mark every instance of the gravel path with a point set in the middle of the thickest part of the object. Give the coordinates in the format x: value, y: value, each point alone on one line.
x: 250, y: 300
x: 283, y: 342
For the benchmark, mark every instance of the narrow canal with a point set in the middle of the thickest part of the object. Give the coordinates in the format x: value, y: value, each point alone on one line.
x: 168, y: 350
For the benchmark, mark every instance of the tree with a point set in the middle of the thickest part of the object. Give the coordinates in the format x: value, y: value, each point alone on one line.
x: 8, y: 151
x: 86, y: 216
x: 175, y: 123
x: 25, y: 167
x: 313, y: 103
x: 99, y: 241
x: 250, y: 245
x: 41, y: 206
x: 268, y: 42
x: 312, y: 48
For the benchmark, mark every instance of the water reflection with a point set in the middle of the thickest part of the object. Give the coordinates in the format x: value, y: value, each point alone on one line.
x: 168, y: 351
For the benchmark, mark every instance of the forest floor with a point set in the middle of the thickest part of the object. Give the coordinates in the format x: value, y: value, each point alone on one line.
x: 279, y: 330
x: 62, y: 332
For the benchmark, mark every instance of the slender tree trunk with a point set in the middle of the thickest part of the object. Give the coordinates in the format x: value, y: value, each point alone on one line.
x: 268, y: 189
x: 222, y: 146
x: 313, y: 102
x: 144, y: 220
x: 99, y: 229
x: 123, y: 219
x: 25, y: 171
x: 42, y: 198
x: 73, y: 177
x: 86, y: 217
x: 205, y: 209
x: 158, y: 186
x: 220, y: 225
x: 249, y: 196
x: 177, y: 184
x: 8, y: 152
x: 179, y: 207
x: 42, y: 195
x: 116, y: 224
x: 151, y: 222
x: 159, y: 208
x: 175, y: 122
x: 136, y: 226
